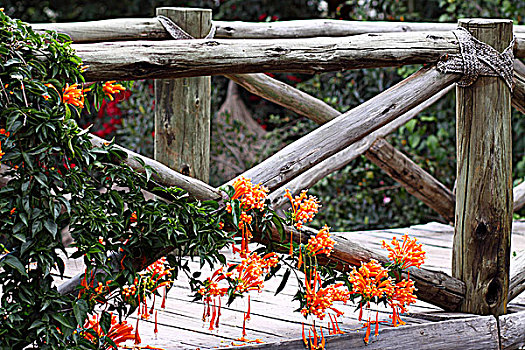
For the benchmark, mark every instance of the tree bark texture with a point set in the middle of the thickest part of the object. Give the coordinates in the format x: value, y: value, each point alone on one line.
x: 152, y: 29
x: 182, y: 107
x: 481, y: 252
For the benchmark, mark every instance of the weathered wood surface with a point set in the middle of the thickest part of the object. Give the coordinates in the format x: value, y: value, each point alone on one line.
x: 182, y: 107
x: 473, y: 333
x: 128, y: 60
x: 416, y: 180
x: 174, y: 58
x: 512, y: 330
x: 162, y: 174
x: 517, y: 276
x: 349, y: 128
x: 519, y: 196
x: 151, y: 28
x: 481, y: 253
x: 518, y: 94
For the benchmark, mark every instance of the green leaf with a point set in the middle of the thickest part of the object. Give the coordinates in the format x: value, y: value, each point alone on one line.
x: 80, y: 310
x: 283, y: 281
x: 51, y: 226
x: 105, y: 321
x: 13, y: 261
x: 62, y: 320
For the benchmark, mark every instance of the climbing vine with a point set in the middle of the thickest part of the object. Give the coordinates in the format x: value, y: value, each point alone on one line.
x: 58, y: 181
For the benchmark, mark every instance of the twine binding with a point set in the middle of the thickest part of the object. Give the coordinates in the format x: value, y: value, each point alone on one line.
x: 478, y: 59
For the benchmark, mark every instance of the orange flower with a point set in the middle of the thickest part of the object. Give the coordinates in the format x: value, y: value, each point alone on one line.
x: 405, y: 255
x: 402, y: 296
x: 111, y: 88
x: 133, y: 218
x: 118, y: 332
x: 73, y: 95
x: 317, y: 302
x: 322, y: 243
x: 251, y: 270
x: 12, y: 211
x: 3, y: 132
x: 371, y: 281
x: 251, y: 196
x: 304, y: 209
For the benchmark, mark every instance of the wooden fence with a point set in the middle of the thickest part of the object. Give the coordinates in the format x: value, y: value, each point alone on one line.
x: 482, y: 207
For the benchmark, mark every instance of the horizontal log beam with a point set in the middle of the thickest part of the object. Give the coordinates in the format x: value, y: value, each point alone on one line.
x: 519, y: 196
x: 128, y: 60
x: 480, y: 332
x: 417, y: 181
x: 349, y: 128
x: 511, y: 330
x: 152, y: 29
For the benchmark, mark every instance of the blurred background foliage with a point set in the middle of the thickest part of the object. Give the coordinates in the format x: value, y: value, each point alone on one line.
x: 360, y: 196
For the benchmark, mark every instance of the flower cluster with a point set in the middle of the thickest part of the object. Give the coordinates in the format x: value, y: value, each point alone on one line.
x: 118, y: 332
x: 322, y: 243
x: 407, y: 254
x: 6, y: 134
x: 318, y: 301
x: 110, y: 88
x: 74, y: 95
x: 303, y: 208
x: 371, y: 281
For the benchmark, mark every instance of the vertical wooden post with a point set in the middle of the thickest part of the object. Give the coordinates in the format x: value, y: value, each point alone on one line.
x: 483, y: 218
x: 182, y: 107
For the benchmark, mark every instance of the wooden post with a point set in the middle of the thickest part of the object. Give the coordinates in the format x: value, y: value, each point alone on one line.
x: 182, y: 107
x: 481, y: 252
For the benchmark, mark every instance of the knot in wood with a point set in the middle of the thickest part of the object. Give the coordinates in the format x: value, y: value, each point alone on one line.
x: 478, y: 59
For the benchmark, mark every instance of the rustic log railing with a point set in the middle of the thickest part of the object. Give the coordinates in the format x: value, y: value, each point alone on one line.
x: 482, y: 223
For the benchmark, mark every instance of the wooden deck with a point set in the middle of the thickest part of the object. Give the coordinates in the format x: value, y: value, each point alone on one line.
x: 273, y: 318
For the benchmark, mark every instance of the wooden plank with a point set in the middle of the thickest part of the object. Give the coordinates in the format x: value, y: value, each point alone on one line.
x: 417, y: 181
x: 151, y: 28
x: 475, y: 333
x: 182, y: 107
x: 512, y: 330
x: 349, y: 128
x: 127, y: 60
x: 481, y: 250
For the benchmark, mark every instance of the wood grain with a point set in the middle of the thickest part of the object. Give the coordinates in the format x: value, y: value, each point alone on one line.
x: 512, y: 330
x: 151, y: 28
x: 475, y: 333
x: 519, y: 196
x: 182, y: 107
x: 127, y: 60
x: 481, y: 252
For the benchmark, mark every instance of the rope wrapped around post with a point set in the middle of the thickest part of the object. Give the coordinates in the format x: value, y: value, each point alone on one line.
x: 478, y: 59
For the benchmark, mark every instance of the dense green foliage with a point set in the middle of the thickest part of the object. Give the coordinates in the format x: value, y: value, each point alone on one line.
x: 59, y: 181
